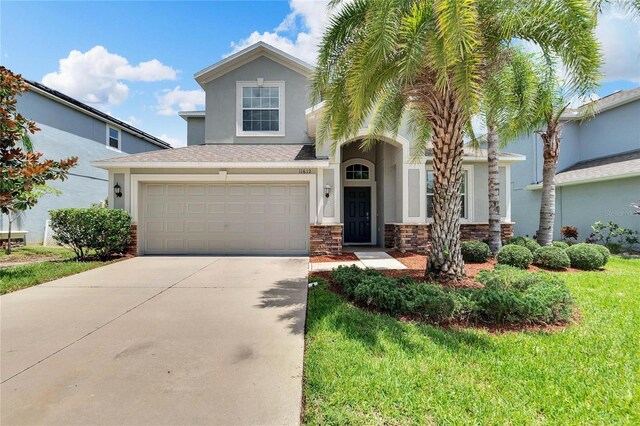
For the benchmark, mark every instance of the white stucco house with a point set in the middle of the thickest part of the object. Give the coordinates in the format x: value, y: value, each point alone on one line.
x: 252, y: 180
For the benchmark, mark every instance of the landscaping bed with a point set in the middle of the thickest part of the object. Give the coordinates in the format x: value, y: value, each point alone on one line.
x: 365, y: 368
x: 344, y: 257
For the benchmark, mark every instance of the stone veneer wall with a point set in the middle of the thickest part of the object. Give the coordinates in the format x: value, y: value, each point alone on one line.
x: 415, y: 237
x: 132, y: 248
x: 407, y: 237
x: 325, y: 239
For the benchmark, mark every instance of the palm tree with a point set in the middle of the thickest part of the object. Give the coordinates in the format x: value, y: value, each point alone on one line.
x: 507, y: 106
x: 385, y: 60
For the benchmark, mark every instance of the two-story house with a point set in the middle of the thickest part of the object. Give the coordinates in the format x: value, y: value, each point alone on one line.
x: 71, y: 128
x: 598, y: 172
x: 253, y: 181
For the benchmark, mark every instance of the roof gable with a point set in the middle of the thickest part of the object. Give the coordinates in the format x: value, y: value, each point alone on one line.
x: 249, y: 54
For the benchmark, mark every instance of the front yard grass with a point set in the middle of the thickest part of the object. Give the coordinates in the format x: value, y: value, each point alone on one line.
x: 366, y: 368
x: 18, y: 277
x: 32, y: 253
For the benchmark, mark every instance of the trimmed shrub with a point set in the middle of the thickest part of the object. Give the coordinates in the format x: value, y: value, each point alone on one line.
x: 529, y: 243
x: 515, y: 255
x: 475, y: 251
x: 383, y: 293
x: 604, y: 252
x: 551, y: 257
x: 349, y: 277
x: 515, y: 296
x: 107, y: 231
x: 433, y: 302
x: 585, y: 256
x: 560, y: 244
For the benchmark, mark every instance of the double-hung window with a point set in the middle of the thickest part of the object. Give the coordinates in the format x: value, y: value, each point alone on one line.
x: 464, y: 194
x: 113, y: 138
x: 260, y: 109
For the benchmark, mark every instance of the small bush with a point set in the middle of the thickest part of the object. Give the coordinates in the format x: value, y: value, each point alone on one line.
x: 529, y: 243
x: 551, y: 257
x: 585, y: 256
x: 569, y: 233
x: 349, y: 277
x: 475, y: 251
x: 560, y: 244
x: 515, y: 296
x: 433, y: 302
x: 104, y: 230
x: 604, y: 252
x: 383, y: 293
x: 515, y: 255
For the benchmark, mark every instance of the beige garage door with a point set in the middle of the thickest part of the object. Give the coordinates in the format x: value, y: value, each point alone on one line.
x: 243, y: 218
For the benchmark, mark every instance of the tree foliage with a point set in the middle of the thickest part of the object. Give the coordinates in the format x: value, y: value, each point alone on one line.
x: 386, y: 63
x: 23, y: 173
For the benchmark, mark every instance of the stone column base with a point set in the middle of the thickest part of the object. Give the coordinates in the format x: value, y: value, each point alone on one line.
x: 480, y: 231
x: 407, y: 237
x: 132, y: 248
x: 325, y: 239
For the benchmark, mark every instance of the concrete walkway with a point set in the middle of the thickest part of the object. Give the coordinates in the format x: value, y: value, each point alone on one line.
x: 368, y: 259
x: 158, y: 340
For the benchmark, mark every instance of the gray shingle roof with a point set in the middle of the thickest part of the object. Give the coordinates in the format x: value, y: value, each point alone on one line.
x: 624, y: 164
x: 229, y: 153
x: 473, y: 153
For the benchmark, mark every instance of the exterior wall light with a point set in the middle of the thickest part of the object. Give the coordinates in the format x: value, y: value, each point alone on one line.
x: 117, y: 190
x: 327, y: 190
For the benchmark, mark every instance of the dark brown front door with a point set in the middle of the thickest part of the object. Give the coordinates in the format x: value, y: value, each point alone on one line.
x: 357, y: 215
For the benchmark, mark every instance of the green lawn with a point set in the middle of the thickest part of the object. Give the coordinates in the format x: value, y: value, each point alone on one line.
x: 28, y: 253
x: 17, y: 277
x: 363, y: 368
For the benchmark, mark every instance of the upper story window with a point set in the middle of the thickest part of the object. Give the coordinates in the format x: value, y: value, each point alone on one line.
x: 113, y: 138
x: 464, y: 195
x: 357, y: 172
x: 260, y: 108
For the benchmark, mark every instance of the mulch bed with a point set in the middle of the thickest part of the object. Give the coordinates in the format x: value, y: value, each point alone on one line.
x: 344, y: 257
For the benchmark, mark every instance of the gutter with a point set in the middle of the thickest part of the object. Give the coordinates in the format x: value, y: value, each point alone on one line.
x: 106, y: 165
x: 536, y: 186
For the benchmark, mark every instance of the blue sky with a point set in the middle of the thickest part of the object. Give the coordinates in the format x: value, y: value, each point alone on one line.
x: 135, y: 60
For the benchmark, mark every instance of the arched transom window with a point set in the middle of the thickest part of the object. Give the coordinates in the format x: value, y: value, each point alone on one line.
x: 357, y: 172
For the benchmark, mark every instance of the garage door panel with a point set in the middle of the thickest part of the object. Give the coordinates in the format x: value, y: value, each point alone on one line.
x: 172, y: 226
x: 217, y: 218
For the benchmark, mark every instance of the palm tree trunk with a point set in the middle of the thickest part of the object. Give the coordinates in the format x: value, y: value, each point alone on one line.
x: 495, y: 234
x: 445, y: 257
x: 551, y: 146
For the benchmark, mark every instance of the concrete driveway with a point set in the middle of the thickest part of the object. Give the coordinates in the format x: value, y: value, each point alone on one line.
x: 158, y: 340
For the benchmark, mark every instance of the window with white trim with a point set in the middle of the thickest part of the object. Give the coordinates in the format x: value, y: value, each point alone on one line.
x: 464, y: 196
x: 260, y: 109
x: 113, y: 138
x: 357, y: 172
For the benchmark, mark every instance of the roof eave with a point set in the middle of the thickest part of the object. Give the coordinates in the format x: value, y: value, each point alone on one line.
x: 107, y: 165
x: 536, y: 186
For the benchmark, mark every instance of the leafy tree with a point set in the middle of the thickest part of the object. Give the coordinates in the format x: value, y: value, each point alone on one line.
x: 387, y: 60
x: 23, y: 174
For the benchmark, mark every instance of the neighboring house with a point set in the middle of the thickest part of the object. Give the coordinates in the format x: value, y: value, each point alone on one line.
x: 598, y: 173
x: 70, y: 128
x: 252, y: 180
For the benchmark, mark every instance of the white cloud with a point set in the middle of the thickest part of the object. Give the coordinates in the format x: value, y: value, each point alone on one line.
x: 97, y: 76
x: 186, y: 100
x: 311, y: 17
x: 620, y: 37
x: 174, y: 142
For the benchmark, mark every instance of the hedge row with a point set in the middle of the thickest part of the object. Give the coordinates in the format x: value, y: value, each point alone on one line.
x: 509, y: 295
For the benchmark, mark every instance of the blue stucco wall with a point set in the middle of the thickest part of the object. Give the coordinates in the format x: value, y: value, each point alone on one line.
x: 66, y: 132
